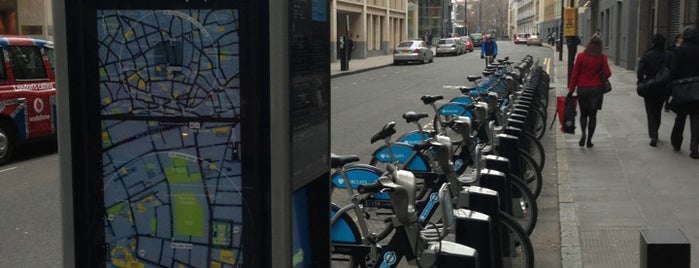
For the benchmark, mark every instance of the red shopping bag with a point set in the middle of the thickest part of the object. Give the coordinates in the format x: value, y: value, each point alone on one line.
x: 566, y: 109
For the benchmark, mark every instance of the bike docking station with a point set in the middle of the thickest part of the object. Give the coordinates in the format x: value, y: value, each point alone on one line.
x: 194, y: 133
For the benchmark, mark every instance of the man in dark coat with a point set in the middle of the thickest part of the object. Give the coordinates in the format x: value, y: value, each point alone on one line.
x: 684, y: 65
x: 651, y: 63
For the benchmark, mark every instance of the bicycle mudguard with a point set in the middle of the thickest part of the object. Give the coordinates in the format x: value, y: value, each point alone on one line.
x: 414, y: 137
x: 455, y: 109
x: 343, y: 230
x: 359, y: 174
x: 402, y: 153
x: 466, y: 100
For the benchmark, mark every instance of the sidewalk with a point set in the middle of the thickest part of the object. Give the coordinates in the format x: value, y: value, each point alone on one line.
x: 360, y: 65
x: 609, y: 193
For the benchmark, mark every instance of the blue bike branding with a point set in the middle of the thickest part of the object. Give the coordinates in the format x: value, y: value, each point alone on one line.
x: 463, y: 100
x: 414, y: 137
x: 389, y: 259
x: 458, y: 164
x: 402, y: 153
x: 359, y: 176
x: 434, y: 201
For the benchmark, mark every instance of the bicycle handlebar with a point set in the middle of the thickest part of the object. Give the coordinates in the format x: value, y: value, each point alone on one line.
x: 373, y: 187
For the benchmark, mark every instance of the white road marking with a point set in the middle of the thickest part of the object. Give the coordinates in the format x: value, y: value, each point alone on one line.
x: 7, y: 169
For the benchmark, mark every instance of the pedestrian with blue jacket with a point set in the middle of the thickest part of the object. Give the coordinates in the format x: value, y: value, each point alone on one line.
x: 489, y: 48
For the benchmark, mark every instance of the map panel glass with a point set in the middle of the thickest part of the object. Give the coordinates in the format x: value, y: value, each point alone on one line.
x: 170, y: 133
x: 169, y: 62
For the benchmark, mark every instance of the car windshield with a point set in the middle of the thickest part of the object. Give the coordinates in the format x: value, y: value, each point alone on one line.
x: 476, y: 36
x: 533, y: 36
x: 445, y: 41
x: 406, y: 44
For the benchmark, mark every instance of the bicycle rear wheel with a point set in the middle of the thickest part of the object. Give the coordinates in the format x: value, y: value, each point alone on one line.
x: 519, y: 251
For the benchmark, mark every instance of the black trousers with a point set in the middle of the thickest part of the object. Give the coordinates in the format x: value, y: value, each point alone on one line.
x: 654, y: 106
x: 678, y: 129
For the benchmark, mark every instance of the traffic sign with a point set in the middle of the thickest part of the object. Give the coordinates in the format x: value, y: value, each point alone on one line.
x: 570, y: 21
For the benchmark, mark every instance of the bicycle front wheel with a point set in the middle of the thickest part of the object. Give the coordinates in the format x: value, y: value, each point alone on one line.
x: 531, y: 171
x: 525, y: 211
x: 518, y: 250
x: 531, y: 145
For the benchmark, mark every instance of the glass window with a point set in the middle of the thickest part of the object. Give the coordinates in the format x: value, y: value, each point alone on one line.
x: 27, y: 63
x: 51, y: 55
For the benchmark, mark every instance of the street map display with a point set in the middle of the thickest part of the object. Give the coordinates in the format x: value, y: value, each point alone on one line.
x: 170, y: 113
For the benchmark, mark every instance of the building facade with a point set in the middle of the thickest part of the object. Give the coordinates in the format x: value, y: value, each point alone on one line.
x: 526, y: 16
x: 26, y: 17
x: 628, y: 26
x: 375, y: 26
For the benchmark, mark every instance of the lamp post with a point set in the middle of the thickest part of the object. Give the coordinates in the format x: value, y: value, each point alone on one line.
x: 480, y: 15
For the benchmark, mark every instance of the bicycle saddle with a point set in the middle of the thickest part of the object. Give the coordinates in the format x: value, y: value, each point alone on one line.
x: 487, y: 73
x: 466, y: 89
x: 337, y: 161
x: 472, y: 78
x: 411, y: 117
x: 388, y: 130
x: 428, y: 99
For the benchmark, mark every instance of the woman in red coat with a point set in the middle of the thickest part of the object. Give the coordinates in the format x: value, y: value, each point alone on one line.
x: 586, y: 80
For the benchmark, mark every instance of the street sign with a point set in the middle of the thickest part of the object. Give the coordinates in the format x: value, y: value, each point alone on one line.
x: 570, y: 21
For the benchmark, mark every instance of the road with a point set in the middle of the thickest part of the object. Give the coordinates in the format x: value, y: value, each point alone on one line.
x: 361, y: 105
x: 29, y: 208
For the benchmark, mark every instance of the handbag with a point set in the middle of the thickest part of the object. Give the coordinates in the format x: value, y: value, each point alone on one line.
x: 606, y: 86
x: 685, y: 90
x: 656, y: 86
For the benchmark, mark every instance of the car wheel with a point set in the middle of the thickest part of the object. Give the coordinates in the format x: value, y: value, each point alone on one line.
x: 7, y: 143
x: 424, y: 59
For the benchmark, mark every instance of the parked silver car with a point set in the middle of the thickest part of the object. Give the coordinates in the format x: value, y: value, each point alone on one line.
x: 534, y: 40
x: 452, y: 46
x: 412, y: 50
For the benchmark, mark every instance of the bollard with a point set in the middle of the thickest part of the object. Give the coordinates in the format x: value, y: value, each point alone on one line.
x: 474, y: 229
x: 664, y: 248
x: 451, y: 254
x: 486, y: 201
x: 509, y: 130
x: 497, y: 181
x: 518, y: 115
x: 509, y: 148
x: 502, y: 164
x: 515, y: 123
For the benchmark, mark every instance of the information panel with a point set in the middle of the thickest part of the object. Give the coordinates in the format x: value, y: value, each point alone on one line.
x: 310, y: 84
x: 170, y: 131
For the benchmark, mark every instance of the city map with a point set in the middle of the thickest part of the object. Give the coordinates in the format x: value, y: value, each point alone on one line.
x: 170, y: 109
